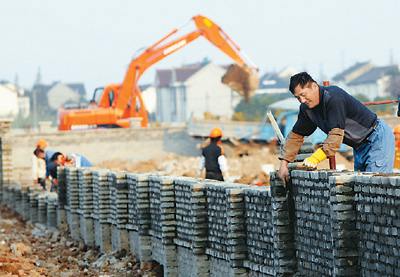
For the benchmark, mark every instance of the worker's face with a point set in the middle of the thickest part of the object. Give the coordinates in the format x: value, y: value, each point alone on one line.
x: 60, y: 160
x: 308, y: 95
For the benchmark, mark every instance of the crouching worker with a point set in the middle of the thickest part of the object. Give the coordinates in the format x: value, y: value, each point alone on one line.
x: 213, y: 159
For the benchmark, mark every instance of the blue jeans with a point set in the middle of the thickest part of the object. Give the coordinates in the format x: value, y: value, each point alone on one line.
x: 376, y: 154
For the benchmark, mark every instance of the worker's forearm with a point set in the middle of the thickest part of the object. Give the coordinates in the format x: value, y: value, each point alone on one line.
x: 332, y: 143
x: 292, y: 146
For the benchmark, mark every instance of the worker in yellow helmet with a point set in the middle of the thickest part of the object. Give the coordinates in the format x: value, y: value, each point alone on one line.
x: 396, y: 132
x: 213, y: 159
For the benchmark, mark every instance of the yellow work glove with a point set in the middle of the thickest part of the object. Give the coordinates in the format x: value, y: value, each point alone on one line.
x: 317, y: 157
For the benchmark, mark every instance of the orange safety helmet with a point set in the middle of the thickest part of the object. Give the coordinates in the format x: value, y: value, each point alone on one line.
x: 396, y: 129
x: 42, y: 144
x: 216, y: 132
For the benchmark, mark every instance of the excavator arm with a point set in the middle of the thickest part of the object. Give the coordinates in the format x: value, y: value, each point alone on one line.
x: 244, y: 79
x: 129, y: 102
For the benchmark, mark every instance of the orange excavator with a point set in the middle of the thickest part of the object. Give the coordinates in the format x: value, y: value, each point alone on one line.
x: 116, y: 104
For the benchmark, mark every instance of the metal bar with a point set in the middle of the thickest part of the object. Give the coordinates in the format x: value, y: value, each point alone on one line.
x: 332, y: 163
x: 275, y: 126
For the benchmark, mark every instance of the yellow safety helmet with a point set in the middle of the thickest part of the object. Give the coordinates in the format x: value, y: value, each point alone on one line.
x: 216, y: 132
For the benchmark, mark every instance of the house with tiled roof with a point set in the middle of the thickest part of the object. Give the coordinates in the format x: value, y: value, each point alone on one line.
x: 193, y: 91
x: 276, y: 82
x: 352, y: 72
x: 374, y: 82
x: 366, y: 79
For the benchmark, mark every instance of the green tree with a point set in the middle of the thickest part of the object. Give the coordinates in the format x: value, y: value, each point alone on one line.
x: 255, y: 109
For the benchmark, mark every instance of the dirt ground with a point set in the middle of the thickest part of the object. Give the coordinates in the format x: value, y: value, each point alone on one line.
x: 248, y: 163
x: 32, y: 250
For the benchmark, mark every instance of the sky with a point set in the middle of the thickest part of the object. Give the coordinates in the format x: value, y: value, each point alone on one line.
x: 93, y: 41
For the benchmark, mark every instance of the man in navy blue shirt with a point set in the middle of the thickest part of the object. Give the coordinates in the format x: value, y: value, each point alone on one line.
x: 344, y: 119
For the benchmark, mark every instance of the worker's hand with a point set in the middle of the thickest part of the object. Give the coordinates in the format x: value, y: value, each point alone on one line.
x: 315, y: 159
x: 283, y: 172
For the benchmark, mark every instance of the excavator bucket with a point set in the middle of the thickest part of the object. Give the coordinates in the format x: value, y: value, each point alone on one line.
x: 242, y: 79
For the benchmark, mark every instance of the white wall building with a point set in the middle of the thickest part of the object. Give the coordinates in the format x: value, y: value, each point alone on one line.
x: 9, y: 102
x: 192, y: 91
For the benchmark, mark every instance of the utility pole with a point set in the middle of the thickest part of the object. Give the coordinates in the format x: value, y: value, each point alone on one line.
x: 34, y: 99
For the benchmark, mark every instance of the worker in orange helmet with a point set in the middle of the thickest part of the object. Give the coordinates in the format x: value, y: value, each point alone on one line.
x: 43, y: 144
x: 396, y: 132
x: 213, y: 159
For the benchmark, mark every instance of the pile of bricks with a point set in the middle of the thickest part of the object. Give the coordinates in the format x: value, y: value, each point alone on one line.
x: 139, y: 216
x: 378, y: 224
x: 62, y: 198
x: 119, y: 211
x: 51, y: 213
x: 163, y: 223
x: 42, y: 208
x: 85, y: 179
x: 101, y: 210
x: 191, y: 227
x: 71, y: 177
x: 226, y: 229
x: 259, y: 231
x: 313, y: 231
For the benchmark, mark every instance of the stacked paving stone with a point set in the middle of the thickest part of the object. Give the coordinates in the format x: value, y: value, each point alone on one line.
x: 18, y: 199
x: 42, y: 208
x: 139, y: 216
x: 51, y: 215
x: 25, y: 203
x: 191, y: 227
x: 326, y: 238
x: 226, y: 229
x: 378, y: 223
x: 313, y: 231
x: 163, y: 223
x: 283, y: 228
x: 343, y: 224
x: 85, y: 211
x: 119, y: 210
x: 259, y: 231
x: 62, y: 198
x: 71, y: 174
x: 101, y: 210
x: 33, y: 200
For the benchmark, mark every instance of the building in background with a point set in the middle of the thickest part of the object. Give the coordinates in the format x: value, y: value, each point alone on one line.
x: 276, y: 82
x: 366, y: 79
x: 13, y: 102
x: 149, y: 96
x: 193, y: 90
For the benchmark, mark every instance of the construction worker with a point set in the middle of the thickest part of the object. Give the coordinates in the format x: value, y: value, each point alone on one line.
x: 213, y: 159
x: 343, y: 119
x: 77, y: 160
x: 43, y: 144
x: 396, y: 132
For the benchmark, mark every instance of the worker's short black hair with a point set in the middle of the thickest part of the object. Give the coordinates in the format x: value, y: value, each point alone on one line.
x: 38, y: 151
x: 55, y: 156
x: 302, y: 79
x: 215, y: 139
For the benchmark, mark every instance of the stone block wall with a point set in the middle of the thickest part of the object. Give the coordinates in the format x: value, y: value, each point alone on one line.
x: 323, y: 223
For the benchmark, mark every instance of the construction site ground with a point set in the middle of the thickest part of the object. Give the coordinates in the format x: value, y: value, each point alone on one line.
x: 27, y: 250
x: 169, y: 151
x: 33, y: 250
